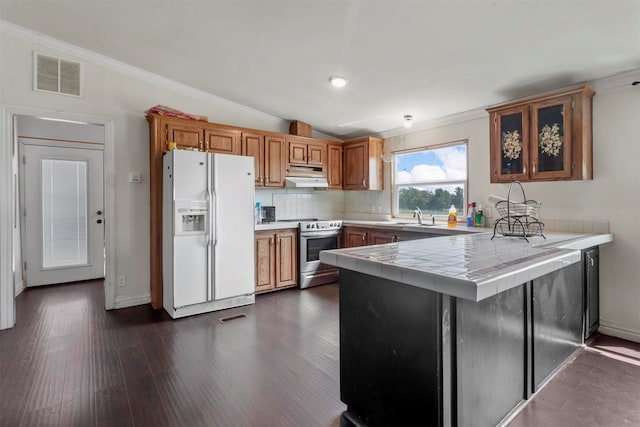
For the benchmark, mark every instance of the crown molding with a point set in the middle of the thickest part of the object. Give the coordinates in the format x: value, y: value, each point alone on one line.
x: 616, y: 81
x: 127, y: 69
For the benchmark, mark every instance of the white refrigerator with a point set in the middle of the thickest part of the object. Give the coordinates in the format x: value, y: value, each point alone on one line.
x: 208, y: 226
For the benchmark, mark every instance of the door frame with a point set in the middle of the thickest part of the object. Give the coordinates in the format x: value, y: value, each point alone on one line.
x: 9, y: 148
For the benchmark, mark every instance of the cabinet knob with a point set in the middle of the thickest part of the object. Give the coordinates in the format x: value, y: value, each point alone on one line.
x: 99, y: 221
x: 364, y: 184
x: 533, y: 167
x: 364, y: 237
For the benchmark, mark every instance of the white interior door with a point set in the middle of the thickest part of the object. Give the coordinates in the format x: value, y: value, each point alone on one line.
x: 63, y: 215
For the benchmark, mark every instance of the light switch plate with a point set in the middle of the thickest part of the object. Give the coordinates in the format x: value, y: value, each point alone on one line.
x: 135, y: 177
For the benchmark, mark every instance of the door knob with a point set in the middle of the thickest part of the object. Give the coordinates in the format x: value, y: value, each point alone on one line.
x: 99, y: 221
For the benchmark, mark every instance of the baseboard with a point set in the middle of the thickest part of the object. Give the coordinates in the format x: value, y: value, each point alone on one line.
x: 619, y: 330
x: 19, y: 287
x: 132, y: 300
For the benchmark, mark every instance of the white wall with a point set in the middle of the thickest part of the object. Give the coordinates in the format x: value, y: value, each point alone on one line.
x: 122, y: 94
x: 612, y: 196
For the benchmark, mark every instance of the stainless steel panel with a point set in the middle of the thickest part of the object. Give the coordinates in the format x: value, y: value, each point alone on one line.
x: 557, y: 315
x: 491, y: 364
x: 320, y: 277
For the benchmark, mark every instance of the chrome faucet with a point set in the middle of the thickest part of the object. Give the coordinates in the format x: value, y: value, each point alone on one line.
x: 418, y: 213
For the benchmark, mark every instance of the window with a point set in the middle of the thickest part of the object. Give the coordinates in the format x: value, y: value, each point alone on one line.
x: 431, y: 179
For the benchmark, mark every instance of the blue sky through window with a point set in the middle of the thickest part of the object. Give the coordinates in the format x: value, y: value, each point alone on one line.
x: 437, y: 164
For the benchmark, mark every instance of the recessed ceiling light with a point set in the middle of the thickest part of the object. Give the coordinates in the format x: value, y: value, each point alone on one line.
x: 338, y: 81
x: 408, y: 120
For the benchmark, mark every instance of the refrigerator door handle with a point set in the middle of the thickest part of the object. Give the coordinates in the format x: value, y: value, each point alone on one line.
x: 210, y: 250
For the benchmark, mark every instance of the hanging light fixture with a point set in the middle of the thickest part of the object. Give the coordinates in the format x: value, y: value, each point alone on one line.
x: 408, y: 120
x: 338, y: 81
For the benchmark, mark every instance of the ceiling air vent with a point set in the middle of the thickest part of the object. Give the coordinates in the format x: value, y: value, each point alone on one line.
x: 57, y: 75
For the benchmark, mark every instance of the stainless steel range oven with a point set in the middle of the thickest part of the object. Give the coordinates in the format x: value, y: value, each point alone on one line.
x: 316, y: 236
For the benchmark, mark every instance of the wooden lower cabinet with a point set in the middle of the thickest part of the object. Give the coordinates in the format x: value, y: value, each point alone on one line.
x: 356, y: 236
x: 353, y: 237
x: 276, y: 259
x: 377, y: 237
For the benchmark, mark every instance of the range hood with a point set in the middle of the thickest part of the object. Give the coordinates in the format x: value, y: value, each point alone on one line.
x: 306, y: 182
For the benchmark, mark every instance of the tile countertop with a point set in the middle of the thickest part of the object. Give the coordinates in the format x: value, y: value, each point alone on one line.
x: 277, y: 225
x: 469, y: 266
x: 439, y: 228
x: 384, y: 225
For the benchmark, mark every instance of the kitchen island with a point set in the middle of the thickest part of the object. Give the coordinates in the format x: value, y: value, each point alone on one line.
x: 456, y: 330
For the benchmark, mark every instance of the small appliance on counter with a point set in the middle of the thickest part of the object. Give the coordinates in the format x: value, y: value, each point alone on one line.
x: 268, y: 214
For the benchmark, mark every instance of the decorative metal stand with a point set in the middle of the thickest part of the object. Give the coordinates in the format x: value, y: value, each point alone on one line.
x: 518, y: 219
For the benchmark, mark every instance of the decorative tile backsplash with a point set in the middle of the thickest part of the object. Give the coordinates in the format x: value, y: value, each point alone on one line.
x: 301, y: 203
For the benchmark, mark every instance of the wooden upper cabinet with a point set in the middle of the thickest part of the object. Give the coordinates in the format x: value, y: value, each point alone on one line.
x: 252, y: 144
x: 509, y: 135
x: 275, y: 156
x: 551, y: 143
x: 545, y: 138
x: 306, y: 157
x: 362, y: 166
x: 297, y: 153
x: 334, y: 165
x: 317, y: 154
x: 187, y: 136
x: 219, y: 140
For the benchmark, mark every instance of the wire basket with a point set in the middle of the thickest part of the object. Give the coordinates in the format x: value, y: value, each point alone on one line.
x: 518, y: 219
x: 524, y: 208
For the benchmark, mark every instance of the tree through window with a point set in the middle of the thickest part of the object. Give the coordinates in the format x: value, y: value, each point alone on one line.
x: 431, y: 179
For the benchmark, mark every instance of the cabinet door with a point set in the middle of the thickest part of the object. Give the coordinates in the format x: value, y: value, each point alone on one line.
x: 381, y: 237
x: 551, y: 139
x: 317, y: 154
x: 223, y: 141
x: 509, y: 135
x: 354, y: 237
x: 186, y: 136
x: 297, y: 153
x: 334, y: 171
x: 253, y: 145
x: 265, y: 261
x: 355, y: 166
x: 286, y: 256
x: 274, y: 161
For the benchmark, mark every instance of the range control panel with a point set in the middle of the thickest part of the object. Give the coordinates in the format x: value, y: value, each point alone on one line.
x: 320, y: 225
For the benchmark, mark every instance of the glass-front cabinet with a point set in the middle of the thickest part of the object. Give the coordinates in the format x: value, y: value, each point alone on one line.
x: 542, y: 139
x: 510, y: 144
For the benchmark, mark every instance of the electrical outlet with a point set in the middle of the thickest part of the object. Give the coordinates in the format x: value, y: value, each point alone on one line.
x: 122, y: 281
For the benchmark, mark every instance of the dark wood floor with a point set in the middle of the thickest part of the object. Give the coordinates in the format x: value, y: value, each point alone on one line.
x: 69, y: 362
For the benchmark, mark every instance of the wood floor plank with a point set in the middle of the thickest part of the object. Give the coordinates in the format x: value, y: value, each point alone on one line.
x: 70, y: 362
x: 112, y: 408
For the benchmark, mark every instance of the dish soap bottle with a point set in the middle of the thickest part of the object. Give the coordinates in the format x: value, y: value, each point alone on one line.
x: 452, y: 220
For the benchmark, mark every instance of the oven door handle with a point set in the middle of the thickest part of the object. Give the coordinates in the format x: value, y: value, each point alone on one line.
x: 320, y: 234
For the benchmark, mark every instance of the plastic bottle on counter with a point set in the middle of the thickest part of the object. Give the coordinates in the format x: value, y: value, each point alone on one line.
x: 471, y: 215
x: 479, y: 219
x: 258, y: 213
x: 452, y: 220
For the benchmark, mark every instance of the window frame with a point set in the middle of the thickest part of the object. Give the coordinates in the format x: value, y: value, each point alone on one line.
x: 395, y: 208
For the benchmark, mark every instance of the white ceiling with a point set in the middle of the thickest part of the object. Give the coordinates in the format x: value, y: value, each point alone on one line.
x: 430, y: 59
